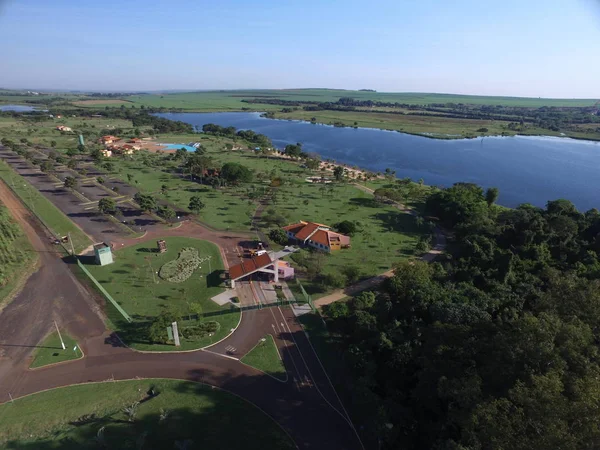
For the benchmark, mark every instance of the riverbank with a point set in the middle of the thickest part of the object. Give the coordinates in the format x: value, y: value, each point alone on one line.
x: 526, y: 169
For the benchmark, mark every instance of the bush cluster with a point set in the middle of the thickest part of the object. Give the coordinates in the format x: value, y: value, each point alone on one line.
x: 180, y: 269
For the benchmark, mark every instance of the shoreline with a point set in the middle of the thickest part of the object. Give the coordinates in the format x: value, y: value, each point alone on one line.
x: 440, y: 137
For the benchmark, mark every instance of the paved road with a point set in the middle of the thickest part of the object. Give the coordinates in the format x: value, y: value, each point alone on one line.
x: 301, y: 405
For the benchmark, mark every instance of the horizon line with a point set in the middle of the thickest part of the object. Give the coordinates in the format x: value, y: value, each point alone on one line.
x: 151, y: 91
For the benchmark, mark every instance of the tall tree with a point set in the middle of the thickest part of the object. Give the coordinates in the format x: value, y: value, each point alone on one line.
x: 491, y: 195
x: 196, y: 204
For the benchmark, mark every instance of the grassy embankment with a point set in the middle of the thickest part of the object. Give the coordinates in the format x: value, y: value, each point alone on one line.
x: 50, y: 351
x: 265, y: 357
x: 133, y: 282
x: 93, y: 416
x: 60, y: 224
x: 17, y: 257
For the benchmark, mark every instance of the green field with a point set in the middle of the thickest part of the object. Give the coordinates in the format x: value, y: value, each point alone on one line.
x: 16, y: 254
x: 231, y: 100
x: 387, y: 235
x: 44, y: 208
x: 92, y: 416
x: 50, y: 350
x: 265, y: 357
x: 132, y: 280
x: 435, y: 127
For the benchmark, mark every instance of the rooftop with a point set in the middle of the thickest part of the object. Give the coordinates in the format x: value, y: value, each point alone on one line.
x: 249, y: 266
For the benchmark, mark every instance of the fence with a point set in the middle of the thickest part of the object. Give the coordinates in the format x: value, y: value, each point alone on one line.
x: 307, y: 297
x: 106, y: 294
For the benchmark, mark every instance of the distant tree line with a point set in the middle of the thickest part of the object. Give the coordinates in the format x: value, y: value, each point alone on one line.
x: 493, y: 347
x: 231, y: 132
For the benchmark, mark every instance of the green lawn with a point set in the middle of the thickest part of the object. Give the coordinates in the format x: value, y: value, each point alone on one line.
x: 92, y: 416
x: 265, y: 357
x: 225, y: 208
x: 133, y: 282
x: 16, y: 254
x: 44, y: 208
x: 386, y: 234
x: 50, y: 350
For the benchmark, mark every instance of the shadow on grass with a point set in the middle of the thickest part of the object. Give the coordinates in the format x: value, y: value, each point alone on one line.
x: 155, y: 427
x: 368, y: 202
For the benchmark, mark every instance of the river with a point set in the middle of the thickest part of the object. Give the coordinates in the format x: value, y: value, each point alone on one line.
x: 524, y: 169
x: 17, y: 108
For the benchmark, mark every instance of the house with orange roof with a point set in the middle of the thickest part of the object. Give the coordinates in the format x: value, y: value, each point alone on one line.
x: 316, y: 235
x: 109, y: 139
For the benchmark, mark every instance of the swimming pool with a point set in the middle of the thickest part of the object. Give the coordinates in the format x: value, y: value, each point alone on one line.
x: 189, y: 148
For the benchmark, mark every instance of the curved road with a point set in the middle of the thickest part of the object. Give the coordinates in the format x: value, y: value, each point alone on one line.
x: 307, y: 410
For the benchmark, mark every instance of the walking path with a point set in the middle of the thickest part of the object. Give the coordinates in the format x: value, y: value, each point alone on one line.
x: 438, y: 247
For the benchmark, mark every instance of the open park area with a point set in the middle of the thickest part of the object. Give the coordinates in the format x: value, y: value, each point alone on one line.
x: 140, y: 282
x: 149, y: 414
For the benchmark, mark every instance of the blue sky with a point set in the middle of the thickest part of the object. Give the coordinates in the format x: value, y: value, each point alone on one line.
x: 546, y: 48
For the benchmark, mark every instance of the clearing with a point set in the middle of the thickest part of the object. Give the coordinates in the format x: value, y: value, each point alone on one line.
x: 121, y: 414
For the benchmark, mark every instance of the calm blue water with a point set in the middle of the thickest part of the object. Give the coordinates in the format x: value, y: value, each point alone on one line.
x: 17, y: 108
x: 189, y: 148
x: 525, y: 169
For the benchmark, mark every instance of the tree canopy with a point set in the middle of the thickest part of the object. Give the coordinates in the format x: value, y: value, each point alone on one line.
x: 495, y: 345
x: 234, y: 173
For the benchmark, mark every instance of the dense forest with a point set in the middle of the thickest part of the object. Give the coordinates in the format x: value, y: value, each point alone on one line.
x: 553, y: 118
x: 495, y: 346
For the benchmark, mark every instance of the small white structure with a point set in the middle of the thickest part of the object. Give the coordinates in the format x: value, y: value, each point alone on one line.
x: 103, y: 254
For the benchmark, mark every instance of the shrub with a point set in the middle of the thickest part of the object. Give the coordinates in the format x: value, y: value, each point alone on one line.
x: 334, y: 280
x: 199, y: 331
x: 279, y: 236
x: 180, y: 269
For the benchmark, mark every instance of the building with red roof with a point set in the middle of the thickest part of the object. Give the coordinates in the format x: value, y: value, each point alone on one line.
x: 261, y: 263
x: 316, y: 235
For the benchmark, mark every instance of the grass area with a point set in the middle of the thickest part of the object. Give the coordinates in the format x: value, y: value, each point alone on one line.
x: 436, y: 127
x: 265, y: 357
x: 53, y: 217
x: 225, y: 208
x: 16, y: 254
x: 387, y: 234
x: 92, y: 416
x: 132, y: 280
x: 50, y: 351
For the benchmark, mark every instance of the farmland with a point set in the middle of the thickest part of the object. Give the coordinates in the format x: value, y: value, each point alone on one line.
x: 182, y: 411
x: 16, y: 254
x: 223, y: 100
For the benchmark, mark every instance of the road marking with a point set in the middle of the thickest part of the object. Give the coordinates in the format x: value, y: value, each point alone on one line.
x: 230, y: 348
x: 220, y: 354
